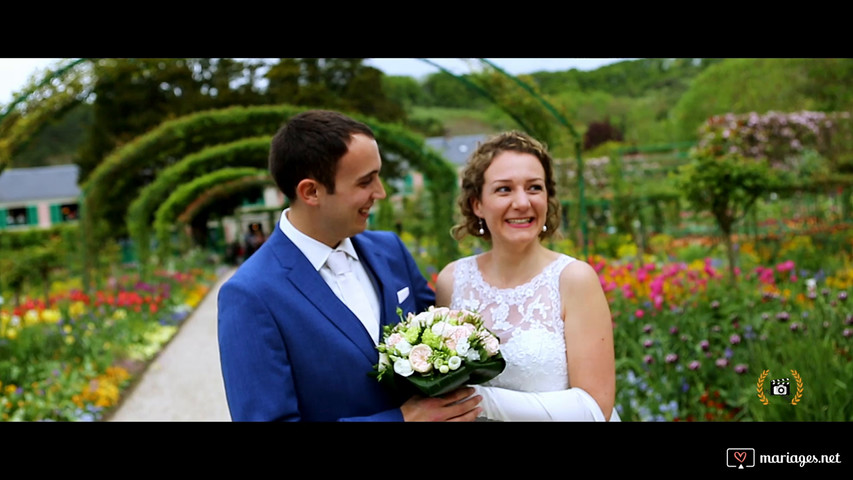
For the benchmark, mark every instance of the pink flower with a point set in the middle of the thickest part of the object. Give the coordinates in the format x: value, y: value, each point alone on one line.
x: 419, y: 358
x: 490, y: 343
x: 785, y: 266
x: 394, y: 339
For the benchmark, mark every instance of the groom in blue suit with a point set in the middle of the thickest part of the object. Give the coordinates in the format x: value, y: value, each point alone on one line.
x: 291, y: 349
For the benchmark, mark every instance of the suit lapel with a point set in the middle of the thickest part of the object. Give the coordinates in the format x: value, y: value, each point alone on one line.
x: 378, y: 264
x: 306, y: 280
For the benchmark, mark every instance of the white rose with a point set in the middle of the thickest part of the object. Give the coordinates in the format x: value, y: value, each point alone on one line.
x: 404, y: 347
x: 403, y: 367
x: 442, y: 329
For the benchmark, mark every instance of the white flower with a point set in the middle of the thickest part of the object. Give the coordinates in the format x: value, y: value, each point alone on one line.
x: 473, y: 355
x: 454, y: 362
x: 403, y: 367
x: 404, y: 347
x: 462, y: 346
x: 444, y: 369
x: 811, y: 284
x: 442, y: 329
x: 384, y: 361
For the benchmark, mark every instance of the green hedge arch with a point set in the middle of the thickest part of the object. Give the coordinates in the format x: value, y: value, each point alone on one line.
x: 188, y: 199
x: 118, y: 176
x: 248, y: 152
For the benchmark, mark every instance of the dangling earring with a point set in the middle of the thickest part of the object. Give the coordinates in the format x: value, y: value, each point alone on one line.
x: 544, y: 228
x: 482, y: 232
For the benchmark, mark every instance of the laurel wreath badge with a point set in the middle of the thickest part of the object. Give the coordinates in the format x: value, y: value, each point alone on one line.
x: 760, y: 387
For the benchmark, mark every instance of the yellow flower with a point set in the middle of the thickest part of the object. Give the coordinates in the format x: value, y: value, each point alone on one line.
x: 69, y: 340
x: 51, y: 315
x: 10, y: 389
x: 76, y: 309
x: 31, y: 317
x: 67, y: 329
x: 119, y: 314
x: 12, y: 333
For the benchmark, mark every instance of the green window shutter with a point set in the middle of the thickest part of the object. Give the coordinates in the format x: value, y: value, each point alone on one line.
x: 55, y: 215
x: 32, y: 215
x: 3, y: 213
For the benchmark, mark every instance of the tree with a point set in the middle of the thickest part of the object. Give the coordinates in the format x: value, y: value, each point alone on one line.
x: 727, y: 185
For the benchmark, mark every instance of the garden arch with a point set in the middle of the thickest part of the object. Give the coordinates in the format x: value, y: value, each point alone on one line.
x: 169, y: 143
x: 189, y: 198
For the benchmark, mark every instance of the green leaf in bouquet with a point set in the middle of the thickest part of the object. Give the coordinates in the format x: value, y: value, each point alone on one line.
x: 471, y: 373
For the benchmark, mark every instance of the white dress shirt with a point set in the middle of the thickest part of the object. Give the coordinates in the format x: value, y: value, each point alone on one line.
x: 317, y: 252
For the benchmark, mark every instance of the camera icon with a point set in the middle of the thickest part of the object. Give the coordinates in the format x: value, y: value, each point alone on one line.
x: 780, y: 387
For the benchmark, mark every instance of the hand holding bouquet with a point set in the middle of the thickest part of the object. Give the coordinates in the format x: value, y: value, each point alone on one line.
x: 437, y: 351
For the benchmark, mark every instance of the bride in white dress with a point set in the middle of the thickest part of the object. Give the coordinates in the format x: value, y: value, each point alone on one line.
x: 547, y: 308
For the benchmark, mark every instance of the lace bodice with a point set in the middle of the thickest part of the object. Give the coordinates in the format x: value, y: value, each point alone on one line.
x: 527, y: 321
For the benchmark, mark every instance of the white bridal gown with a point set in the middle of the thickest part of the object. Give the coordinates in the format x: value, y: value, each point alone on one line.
x: 535, y: 384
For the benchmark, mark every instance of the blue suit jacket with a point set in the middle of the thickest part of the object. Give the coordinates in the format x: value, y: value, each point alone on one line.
x: 291, y: 350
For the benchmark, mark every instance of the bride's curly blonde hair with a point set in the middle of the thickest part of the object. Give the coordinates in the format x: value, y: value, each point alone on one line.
x: 473, y: 179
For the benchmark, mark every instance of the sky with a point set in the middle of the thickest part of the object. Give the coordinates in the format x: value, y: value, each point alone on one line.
x: 14, y: 72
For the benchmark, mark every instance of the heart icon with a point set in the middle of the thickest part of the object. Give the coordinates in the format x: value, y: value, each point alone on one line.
x: 740, y: 456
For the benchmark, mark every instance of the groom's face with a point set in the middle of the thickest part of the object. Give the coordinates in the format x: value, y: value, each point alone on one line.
x: 357, y: 187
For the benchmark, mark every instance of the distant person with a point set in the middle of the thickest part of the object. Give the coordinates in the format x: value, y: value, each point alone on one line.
x: 253, y: 239
x: 291, y: 344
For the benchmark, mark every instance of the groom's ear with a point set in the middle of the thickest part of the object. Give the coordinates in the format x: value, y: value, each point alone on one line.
x: 308, y: 191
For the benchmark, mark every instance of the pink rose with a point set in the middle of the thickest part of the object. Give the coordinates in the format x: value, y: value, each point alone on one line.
x: 419, y: 358
x: 490, y: 343
x: 393, y: 339
x: 459, y: 333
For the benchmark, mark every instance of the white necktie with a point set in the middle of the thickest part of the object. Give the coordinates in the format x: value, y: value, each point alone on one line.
x: 352, y: 291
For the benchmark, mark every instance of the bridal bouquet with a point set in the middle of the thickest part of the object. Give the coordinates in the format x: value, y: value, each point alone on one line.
x: 437, y: 351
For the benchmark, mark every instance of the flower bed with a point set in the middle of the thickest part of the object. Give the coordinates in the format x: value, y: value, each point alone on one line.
x: 70, y: 357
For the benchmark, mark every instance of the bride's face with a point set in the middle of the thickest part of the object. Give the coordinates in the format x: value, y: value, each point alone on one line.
x: 514, y: 202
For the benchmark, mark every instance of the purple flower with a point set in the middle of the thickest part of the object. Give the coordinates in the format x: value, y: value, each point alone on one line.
x: 648, y: 343
x: 795, y: 326
x: 671, y: 358
x: 734, y: 339
x: 842, y: 296
x: 694, y: 365
x: 849, y: 319
x: 740, y: 368
x: 647, y: 328
x: 705, y: 345
x: 715, y: 304
x: 673, y: 330
x: 847, y: 333
x: 765, y: 316
x: 722, y: 362
x: 782, y: 316
x: 648, y: 359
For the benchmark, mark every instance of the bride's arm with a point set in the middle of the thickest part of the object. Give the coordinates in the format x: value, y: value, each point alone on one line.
x: 590, y: 357
x: 571, y: 405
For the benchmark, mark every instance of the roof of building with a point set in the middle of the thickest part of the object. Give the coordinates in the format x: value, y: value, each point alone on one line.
x: 37, y: 183
x: 458, y: 148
